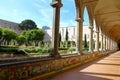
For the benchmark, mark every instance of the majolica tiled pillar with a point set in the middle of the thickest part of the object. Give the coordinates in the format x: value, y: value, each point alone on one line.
x: 91, y: 39
x: 56, y: 4
x: 79, y: 35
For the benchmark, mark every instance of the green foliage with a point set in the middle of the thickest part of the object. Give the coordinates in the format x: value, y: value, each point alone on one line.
x: 63, y: 48
x: 29, y: 50
x: 9, y: 35
x: 8, y: 49
x: 68, y: 43
x: 35, y: 35
x: 45, y: 50
x: 72, y: 49
x: 93, y: 44
x: 59, y: 39
x: 21, y: 39
x: 1, y: 32
x: 85, y: 41
x: 66, y: 36
x: 37, y: 50
x: 28, y: 25
x: 24, y: 32
x: 73, y: 43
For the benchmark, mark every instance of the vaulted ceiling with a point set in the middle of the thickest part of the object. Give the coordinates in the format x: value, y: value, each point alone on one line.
x: 107, y: 14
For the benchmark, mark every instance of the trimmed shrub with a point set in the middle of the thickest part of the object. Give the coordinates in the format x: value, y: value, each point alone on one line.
x: 8, y: 49
x: 45, y: 50
x: 63, y: 48
x: 39, y: 50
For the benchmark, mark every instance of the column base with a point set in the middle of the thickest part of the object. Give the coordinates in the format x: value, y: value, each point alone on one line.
x: 79, y: 53
x: 54, y: 55
x: 90, y: 51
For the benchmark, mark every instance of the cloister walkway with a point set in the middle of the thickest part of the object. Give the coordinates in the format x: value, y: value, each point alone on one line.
x: 107, y: 68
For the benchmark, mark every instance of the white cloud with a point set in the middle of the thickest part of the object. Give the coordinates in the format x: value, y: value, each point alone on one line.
x: 67, y: 23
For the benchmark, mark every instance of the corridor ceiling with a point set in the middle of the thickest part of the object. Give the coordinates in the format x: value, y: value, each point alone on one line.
x: 107, y: 14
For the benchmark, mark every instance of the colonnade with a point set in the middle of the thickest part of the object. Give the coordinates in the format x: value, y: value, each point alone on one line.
x: 103, y: 44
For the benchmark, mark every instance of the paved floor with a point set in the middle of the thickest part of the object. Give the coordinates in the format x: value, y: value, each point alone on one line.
x: 107, y: 68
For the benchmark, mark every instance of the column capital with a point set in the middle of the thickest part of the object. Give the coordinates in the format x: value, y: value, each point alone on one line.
x: 97, y: 31
x: 101, y: 34
x: 56, y: 4
x: 79, y: 19
x: 91, y: 27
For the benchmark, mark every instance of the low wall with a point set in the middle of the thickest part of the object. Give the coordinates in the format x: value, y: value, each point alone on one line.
x: 42, y: 69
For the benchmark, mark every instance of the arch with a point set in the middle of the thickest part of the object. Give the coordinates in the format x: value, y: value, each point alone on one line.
x: 79, y: 9
x: 85, y: 35
x: 85, y: 16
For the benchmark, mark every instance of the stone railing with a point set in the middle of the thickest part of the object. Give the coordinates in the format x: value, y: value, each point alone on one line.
x: 40, y: 69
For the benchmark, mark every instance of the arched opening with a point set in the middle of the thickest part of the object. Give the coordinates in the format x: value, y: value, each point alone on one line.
x: 94, y: 35
x: 67, y: 28
x: 85, y: 31
x: 118, y: 46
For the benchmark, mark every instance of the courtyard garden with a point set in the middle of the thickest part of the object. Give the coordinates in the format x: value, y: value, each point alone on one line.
x: 30, y: 41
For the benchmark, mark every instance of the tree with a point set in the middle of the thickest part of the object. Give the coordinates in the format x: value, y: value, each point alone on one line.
x: 66, y: 36
x: 1, y: 31
x: 1, y: 35
x: 9, y: 35
x: 85, y: 41
x: 28, y: 25
x: 21, y: 39
x: 35, y: 35
x: 59, y: 39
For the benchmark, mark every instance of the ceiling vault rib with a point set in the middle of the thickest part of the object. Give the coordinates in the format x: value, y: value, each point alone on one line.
x: 107, y: 13
x: 112, y: 20
x: 89, y: 1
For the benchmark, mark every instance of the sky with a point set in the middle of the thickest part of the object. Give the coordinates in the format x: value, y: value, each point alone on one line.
x: 39, y: 11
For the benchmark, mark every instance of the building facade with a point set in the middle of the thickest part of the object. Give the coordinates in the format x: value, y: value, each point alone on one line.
x: 11, y: 25
x: 71, y: 33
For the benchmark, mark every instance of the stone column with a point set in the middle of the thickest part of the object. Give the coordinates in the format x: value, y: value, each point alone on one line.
x: 110, y: 44
x: 113, y: 45
x: 79, y: 35
x: 97, y: 40
x: 56, y: 4
x: 107, y: 43
x: 91, y: 39
x: 104, y: 42
x: 101, y: 42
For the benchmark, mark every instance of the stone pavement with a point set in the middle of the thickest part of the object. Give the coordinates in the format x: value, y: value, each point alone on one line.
x: 107, y: 68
